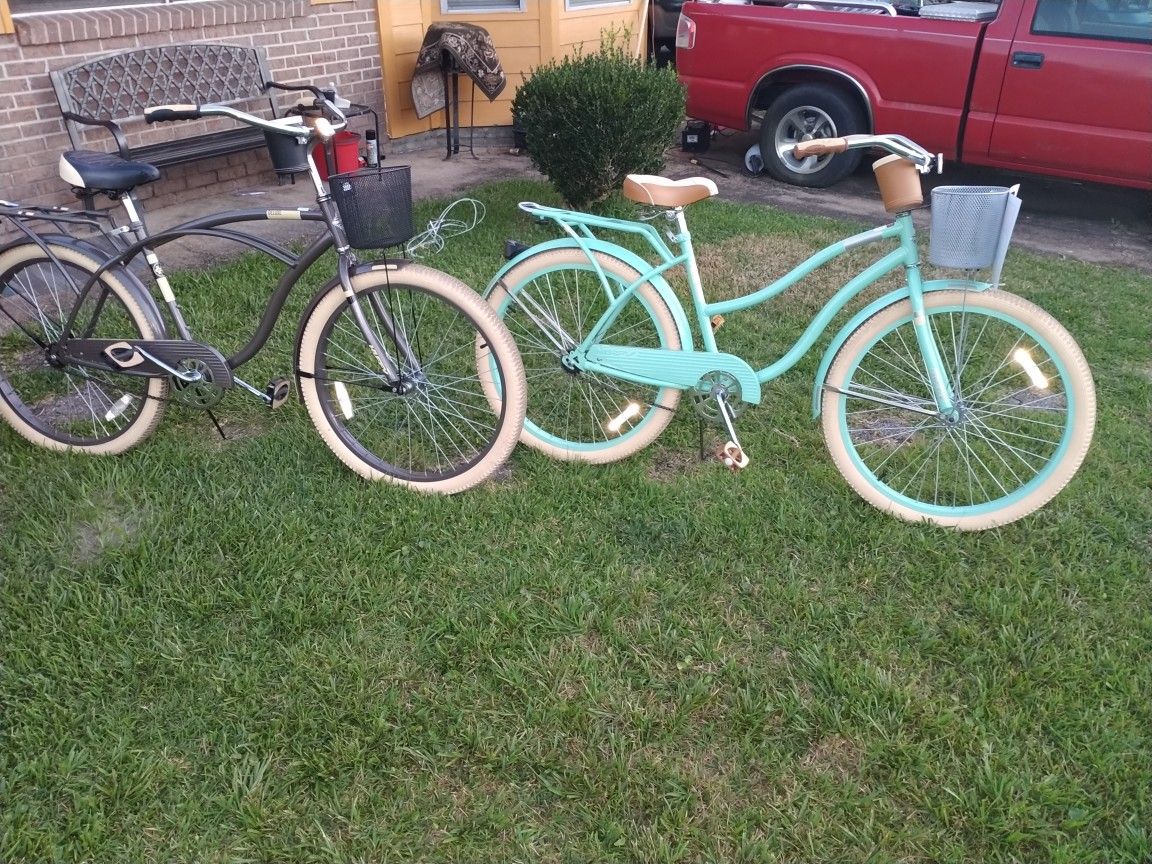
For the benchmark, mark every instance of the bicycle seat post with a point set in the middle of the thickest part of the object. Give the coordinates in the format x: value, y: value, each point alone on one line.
x: 139, y: 230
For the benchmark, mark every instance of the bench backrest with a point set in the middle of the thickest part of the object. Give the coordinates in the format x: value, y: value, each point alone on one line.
x: 120, y: 86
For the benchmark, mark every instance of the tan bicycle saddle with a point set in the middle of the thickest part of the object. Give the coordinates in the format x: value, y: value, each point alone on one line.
x: 662, y: 192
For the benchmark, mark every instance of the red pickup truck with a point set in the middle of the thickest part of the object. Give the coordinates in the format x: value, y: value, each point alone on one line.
x: 1058, y: 87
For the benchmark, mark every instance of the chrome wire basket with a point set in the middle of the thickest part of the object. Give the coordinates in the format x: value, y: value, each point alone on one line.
x: 966, y: 225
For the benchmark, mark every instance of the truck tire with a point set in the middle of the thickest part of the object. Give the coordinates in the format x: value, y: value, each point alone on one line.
x: 800, y: 114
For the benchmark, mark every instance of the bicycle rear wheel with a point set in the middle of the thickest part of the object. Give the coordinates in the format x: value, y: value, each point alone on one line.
x: 432, y: 430
x: 550, y: 301
x: 58, y: 406
x: 1026, y: 411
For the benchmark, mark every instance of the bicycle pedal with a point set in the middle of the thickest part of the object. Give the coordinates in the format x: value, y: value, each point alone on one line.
x: 277, y: 392
x: 733, y: 457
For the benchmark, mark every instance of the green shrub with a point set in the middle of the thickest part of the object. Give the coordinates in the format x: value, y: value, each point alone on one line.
x: 589, y: 120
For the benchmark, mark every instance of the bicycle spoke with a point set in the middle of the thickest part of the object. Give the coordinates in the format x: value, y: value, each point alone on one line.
x: 61, y: 406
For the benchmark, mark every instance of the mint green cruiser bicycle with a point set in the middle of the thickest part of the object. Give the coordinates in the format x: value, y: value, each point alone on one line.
x: 946, y: 400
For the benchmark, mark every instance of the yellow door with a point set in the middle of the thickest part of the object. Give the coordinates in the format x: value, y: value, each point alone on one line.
x: 538, y: 31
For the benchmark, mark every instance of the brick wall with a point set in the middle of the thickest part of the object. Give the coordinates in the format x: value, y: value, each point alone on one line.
x: 331, y: 42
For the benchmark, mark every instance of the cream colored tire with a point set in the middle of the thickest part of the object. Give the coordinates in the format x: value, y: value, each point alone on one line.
x: 442, y: 435
x: 1025, y: 422
x: 70, y: 410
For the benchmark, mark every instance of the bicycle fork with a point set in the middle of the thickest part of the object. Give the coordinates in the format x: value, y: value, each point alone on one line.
x: 385, y: 315
x: 934, y: 368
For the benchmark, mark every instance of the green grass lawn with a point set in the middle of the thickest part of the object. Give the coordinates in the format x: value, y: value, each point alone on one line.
x: 235, y: 650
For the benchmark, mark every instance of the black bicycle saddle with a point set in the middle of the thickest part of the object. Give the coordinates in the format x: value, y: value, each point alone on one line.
x: 90, y: 169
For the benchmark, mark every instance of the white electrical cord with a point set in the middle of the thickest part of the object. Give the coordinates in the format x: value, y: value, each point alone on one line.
x: 443, y: 227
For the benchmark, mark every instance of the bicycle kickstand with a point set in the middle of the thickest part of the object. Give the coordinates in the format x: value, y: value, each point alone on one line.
x: 731, y: 454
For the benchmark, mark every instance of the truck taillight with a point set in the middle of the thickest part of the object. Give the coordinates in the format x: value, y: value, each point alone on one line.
x: 685, y: 32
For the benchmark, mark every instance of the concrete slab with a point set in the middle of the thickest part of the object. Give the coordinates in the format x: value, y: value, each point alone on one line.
x: 1087, y: 222
x: 433, y: 176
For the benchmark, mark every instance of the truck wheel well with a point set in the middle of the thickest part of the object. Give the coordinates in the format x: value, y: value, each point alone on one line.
x: 775, y: 83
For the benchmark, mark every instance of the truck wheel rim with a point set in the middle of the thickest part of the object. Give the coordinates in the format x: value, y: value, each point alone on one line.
x: 803, y: 124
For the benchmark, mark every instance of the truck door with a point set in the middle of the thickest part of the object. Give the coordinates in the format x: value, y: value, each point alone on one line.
x: 1077, y: 92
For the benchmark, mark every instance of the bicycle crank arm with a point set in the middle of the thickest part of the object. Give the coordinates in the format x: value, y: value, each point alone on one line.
x: 732, y: 454
x: 151, y: 358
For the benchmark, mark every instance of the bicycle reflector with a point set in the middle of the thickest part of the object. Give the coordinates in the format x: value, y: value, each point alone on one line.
x: 616, y: 423
x: 119, y: 407
x: 343, y: 399
x: 1025, y: 361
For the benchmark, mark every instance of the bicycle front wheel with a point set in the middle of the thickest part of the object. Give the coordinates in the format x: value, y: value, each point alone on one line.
x: 430, y: 427
x: 53, y: 404
x: 1026, y: 409
x: 550, y: 302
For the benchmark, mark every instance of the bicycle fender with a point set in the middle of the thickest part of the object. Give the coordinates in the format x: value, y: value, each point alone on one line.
x: 613, y: 251
x: 867, y: 312
x: 126, y: 277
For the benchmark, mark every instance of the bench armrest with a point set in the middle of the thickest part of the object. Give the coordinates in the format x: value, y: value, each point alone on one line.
x: 315, y: 91
x: 112, y: 126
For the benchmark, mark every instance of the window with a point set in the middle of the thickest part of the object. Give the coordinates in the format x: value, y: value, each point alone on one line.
x: 1120, y: 20
x: 447, y: 6
x: 584, y: 4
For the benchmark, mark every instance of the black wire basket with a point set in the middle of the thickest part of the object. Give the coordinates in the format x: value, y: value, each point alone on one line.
x: 375, y: 206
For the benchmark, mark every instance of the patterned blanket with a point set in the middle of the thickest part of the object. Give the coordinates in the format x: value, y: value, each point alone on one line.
x: 470, y: 50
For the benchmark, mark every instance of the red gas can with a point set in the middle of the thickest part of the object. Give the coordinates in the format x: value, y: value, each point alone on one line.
x: 345, y: 153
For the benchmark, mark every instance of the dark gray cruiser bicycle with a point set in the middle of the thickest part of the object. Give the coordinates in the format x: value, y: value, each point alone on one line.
x: 384, y: 356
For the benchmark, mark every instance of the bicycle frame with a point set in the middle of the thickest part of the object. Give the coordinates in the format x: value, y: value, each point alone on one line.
x: 211, y: 226
x: 650, y: 367
x: 219, y: 226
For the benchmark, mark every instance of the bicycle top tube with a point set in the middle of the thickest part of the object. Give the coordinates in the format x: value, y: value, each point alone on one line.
x: 901, y: 232
x: 321, y: 128
x: 904, y: 256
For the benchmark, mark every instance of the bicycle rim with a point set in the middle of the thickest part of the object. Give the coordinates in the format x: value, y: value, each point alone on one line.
x: 1025, y: 411
x: 59, y: 406
x: 549, y: 304
x: 432, y: 428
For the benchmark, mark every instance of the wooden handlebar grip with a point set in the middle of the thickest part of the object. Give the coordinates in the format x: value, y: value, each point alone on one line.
x: 819, y: 146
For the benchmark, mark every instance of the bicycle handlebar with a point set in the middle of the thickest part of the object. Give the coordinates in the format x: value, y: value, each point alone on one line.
x: 897, y: 144
x: 324, y: 127
x: 276, y: 85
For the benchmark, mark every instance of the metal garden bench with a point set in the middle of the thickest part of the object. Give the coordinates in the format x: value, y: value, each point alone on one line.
x: 113, y: 90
